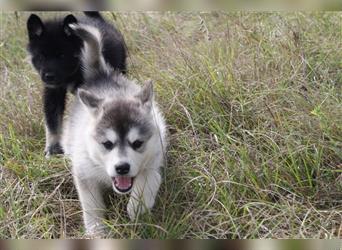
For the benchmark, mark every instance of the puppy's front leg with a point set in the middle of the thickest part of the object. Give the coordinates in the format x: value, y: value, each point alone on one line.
x: 54, y: 105
x: 93, y: 206
x: 145, y: 189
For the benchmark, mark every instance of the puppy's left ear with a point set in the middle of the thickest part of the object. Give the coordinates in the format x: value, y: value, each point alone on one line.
x: 146, y: 94
x: 69, y: 19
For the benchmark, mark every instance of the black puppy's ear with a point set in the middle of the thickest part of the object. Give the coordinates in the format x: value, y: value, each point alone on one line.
x: 35, y: 26
x: 69, y: 19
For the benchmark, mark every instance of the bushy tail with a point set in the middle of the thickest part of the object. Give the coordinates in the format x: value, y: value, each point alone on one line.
x: 92, y: 58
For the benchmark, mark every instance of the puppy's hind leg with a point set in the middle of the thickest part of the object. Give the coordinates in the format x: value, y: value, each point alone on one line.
x: 54, y: 105
x: 144, y: 192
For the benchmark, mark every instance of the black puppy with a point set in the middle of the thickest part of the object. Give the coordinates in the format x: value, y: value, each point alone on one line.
x: 55, y: 53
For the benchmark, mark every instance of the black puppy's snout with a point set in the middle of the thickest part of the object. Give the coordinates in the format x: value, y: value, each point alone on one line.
x: 49, y: 77
x: 122, y: 168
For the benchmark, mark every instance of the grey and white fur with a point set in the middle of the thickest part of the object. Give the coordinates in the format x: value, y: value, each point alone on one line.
x: 115, y: 136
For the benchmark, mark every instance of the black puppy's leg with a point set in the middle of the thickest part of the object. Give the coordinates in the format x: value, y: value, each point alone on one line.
x: 54, y: 105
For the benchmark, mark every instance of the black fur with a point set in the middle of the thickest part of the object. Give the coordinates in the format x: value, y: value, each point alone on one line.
x: 56, y: 96
x: 56, y: 52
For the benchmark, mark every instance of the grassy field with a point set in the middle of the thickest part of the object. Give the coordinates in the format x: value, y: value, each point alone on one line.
x: 254, y: 107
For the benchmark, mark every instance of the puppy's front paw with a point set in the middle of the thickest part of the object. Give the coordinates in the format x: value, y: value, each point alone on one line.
x: 135, y: 208
x: 95, y: 231
x: 54, y: 149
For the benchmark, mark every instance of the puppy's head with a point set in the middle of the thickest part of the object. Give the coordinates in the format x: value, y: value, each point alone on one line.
x: 120, y: 137
x: 54, y: 49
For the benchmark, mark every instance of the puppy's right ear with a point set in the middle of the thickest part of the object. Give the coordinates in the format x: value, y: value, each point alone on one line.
x: 146, y: 94
x: 35, y: 26
x: 69, y: 19
x: 90, y: 101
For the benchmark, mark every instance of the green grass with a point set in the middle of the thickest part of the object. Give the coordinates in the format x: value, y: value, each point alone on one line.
x: 254, y: 107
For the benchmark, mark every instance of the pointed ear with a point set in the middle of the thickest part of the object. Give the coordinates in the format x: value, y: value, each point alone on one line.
x: 35, y: 26
x: 90, y: 101
x: 146, y: 94
x: 69, y: 19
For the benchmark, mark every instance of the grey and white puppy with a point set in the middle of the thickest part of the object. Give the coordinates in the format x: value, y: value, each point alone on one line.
x: 115, y: 136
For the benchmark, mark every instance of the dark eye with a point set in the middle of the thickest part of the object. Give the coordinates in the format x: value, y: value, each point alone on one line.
x: 108, y: 145
x: 38, y: 58
x: 137, y: 144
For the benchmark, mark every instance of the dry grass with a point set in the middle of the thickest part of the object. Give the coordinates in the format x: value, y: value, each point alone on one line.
x: 254, y: 104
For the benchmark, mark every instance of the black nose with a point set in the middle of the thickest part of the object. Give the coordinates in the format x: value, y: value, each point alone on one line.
x: 122, y: 169
x: 49, y: 77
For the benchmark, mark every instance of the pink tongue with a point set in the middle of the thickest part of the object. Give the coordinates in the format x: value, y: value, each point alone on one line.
x: 123, y: 182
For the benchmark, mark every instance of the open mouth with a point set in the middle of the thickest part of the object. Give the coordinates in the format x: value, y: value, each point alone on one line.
x: 123, y: 183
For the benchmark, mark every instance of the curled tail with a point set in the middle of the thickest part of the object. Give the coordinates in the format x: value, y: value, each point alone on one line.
x: 94, y: 14
x: 92, y: 58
